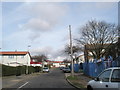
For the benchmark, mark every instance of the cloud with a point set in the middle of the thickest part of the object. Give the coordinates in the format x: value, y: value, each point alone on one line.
x: 53, y: 54
x: 16, y: 41
x: 33, y: 36
x: 41, y: 50
x: 36, y: 17
x: 36, y: 24
x: 88, y: 7
x: 43, y: 17
x: 60, y: 0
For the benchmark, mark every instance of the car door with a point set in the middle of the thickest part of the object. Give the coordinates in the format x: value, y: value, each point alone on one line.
x: 115, y: 79
x: 103, y: 79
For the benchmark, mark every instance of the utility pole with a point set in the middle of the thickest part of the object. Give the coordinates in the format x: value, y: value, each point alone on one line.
x: 42, y: 64
x: 16, y: 63
x: 71, y: 50
x: 27, y: 61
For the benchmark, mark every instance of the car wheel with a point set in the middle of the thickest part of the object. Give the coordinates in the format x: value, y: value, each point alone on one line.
x: 89, y: 87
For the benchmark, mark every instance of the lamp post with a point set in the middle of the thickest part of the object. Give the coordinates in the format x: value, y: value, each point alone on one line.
x: 71, y: 51
x: 27, y: 60
x: 1, y: 58
x: 16, y: 63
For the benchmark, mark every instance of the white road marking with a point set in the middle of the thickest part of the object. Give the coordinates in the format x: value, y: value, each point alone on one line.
x: 23, y: 85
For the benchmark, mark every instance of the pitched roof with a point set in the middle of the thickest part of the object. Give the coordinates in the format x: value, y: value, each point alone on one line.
x: 54, y: 61
x: 31, y: 62
x: 57, y: 61
x: 14, y: 52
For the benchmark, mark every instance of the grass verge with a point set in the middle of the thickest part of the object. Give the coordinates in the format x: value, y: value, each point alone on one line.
x: 76, y: 81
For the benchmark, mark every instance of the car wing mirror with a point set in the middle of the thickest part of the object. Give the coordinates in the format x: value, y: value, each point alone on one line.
x: 96, y: 79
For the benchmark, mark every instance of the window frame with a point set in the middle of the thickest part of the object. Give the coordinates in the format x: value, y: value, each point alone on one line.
x: 103, y: 72
x: 11, y: 56
x: 112, y: 75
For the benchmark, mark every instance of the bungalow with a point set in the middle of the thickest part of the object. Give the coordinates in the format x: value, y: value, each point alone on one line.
x: 15, y: 58
x: 34, y: 62
x: 57, y: 63
x: 81, y: 59
x: 54, y: 63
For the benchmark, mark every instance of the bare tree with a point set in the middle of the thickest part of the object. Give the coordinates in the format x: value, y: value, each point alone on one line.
x: 74, y: 48
x: 40, y: 58
x: 66, y: 61
x: 97, y: 36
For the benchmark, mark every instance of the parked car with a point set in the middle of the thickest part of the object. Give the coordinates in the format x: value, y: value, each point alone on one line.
x: 61, y: 68
x: 45, y: 69
x: 108, y: 79
x: 66, y: 70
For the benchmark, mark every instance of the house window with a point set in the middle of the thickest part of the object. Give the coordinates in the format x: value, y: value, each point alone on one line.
x: 22, y: 56
x: 11, y: 56
x: 0, y: 56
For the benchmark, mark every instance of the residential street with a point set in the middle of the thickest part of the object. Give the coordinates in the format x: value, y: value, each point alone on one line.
x: 54, y: 79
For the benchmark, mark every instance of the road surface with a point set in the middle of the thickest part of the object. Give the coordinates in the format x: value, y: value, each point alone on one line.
x: 54, y: 79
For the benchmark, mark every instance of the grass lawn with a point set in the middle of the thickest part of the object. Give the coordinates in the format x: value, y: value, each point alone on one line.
x: 76, y: 81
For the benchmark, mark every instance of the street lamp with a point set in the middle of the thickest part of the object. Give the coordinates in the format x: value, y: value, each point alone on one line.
x: 1, y: 61
x: 16, y: 63
x: 27, y: 60
x: 71, y: 51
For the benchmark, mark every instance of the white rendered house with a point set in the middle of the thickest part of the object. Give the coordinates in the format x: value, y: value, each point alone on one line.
x: 35, y: 63
x: 15, y: 58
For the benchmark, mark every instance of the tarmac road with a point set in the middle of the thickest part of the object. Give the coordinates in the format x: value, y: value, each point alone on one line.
x: 54, y: 79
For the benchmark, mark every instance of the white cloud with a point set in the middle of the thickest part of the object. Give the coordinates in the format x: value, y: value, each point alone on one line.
x: 36, y: 24
x: 42, y: 50
x: 38, y: 21
x: 44, y: 16
x: 53, y: 54
x: 104, y: 5
x: 60, y: 0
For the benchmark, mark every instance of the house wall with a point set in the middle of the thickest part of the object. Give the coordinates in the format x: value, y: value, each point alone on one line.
x: 81, y: 59
x: 0, y: 59
x: 56, y: 64
x: 34, y: 65
x: 62, y: 65
x: 11, y: 60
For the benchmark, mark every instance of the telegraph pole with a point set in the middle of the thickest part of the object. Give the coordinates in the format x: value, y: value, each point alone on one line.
x: 71, y: 50
x: 27, y: 61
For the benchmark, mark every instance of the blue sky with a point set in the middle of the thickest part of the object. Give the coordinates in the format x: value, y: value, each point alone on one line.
x: 44, y: 26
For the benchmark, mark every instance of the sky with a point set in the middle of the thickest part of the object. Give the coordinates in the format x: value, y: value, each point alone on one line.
x: 44, y: 25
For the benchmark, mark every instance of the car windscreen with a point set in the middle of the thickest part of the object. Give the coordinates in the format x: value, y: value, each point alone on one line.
x: 45, y: 68
x: 66, y: 68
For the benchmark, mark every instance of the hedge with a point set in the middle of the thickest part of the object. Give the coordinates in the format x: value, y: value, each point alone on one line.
x: 8, y: 70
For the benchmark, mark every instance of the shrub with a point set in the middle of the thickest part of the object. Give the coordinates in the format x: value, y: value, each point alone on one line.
x: 8, y: 70
x: 37, y: 69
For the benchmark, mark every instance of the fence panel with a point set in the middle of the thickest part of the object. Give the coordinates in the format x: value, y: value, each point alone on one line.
x: 93, y: 69
x: 76, y: 67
